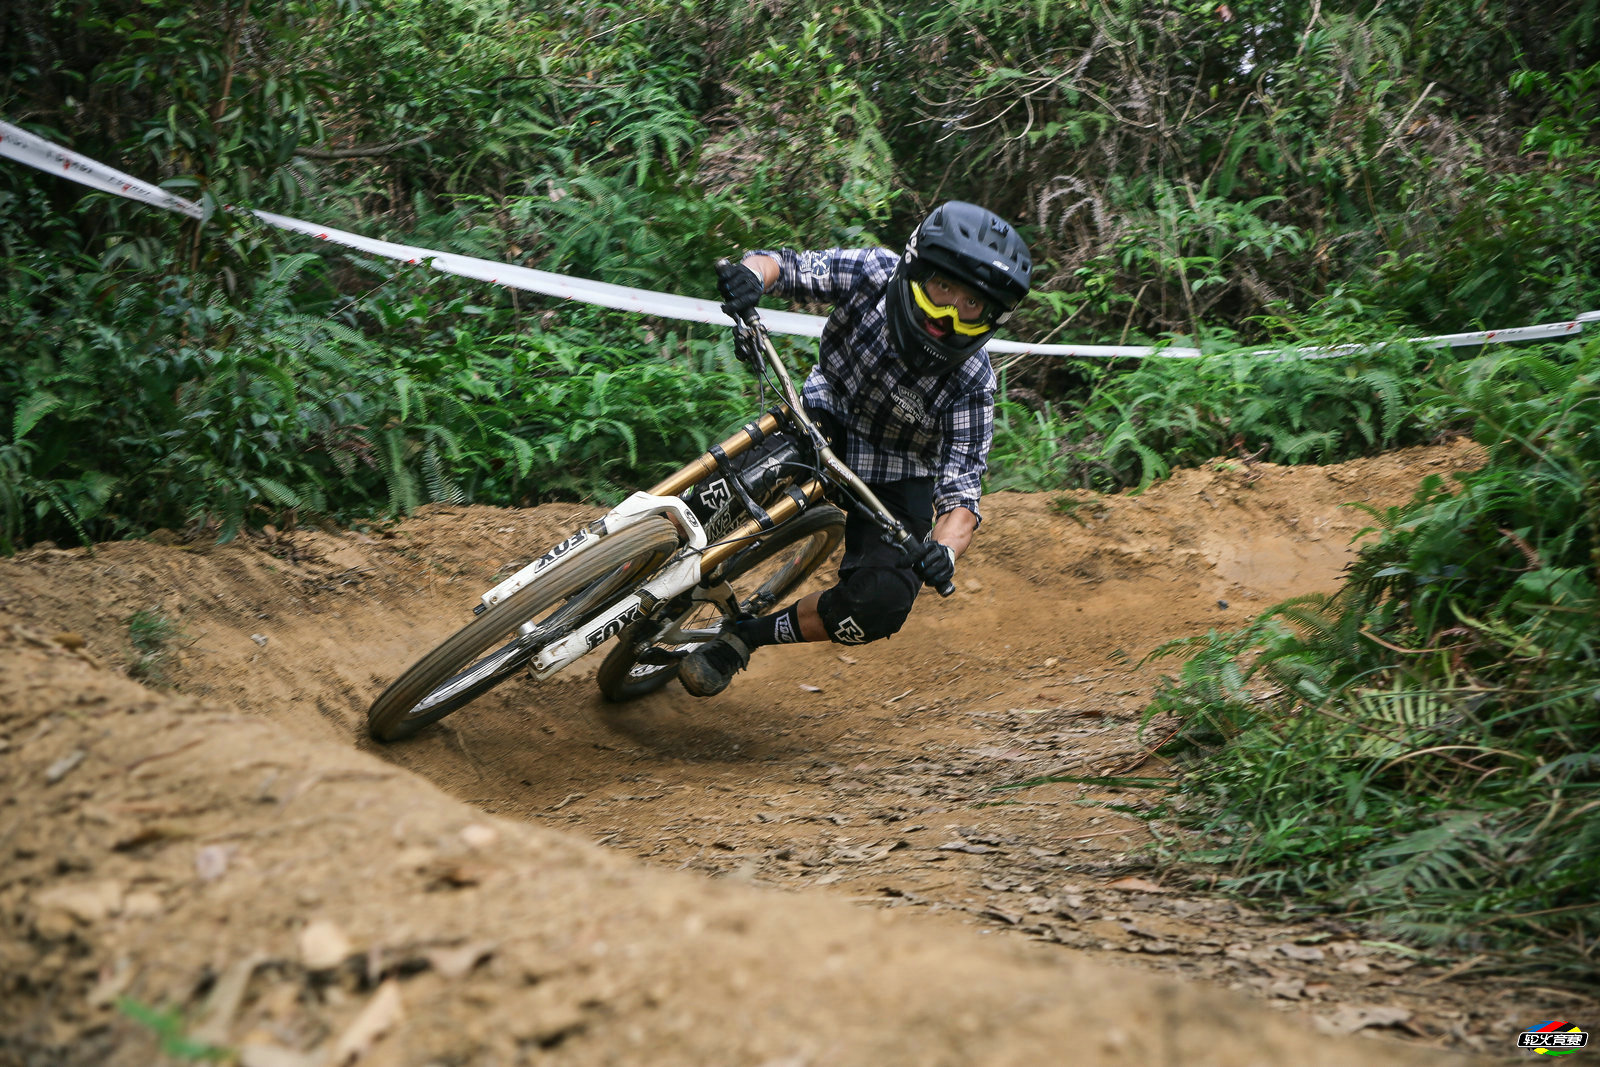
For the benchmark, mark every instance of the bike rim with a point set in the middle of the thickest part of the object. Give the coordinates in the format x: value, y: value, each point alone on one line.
x: 505, y: 659
x: 511, y: 656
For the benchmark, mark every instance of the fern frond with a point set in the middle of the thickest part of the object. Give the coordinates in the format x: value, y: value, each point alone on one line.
x: 1295, y: 447
x: 441, y: 489
x: 1430, y: 859
x: 32, y: 408
x: 278, y: 493
x: 1391, y: 395
x: 401, y: 484
x: 1396, y: 720
x: 522, y: 453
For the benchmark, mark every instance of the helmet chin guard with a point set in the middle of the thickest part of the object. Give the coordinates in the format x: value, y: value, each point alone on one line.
x: 968, y: 244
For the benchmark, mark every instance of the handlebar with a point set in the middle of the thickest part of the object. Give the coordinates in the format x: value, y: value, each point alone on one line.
x: 893, y: 531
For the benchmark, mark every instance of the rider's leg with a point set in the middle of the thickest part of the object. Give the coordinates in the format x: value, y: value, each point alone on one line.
x: 871, y: 600
x: 811, y: 625
x: 876, y: 587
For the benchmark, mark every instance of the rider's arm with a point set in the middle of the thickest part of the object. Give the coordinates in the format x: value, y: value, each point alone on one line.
x: 955, y: 528
x: 968, y: 433
x: 822, y: 276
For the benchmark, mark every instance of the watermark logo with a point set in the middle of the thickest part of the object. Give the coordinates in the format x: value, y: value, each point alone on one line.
x: 1553, y: 1037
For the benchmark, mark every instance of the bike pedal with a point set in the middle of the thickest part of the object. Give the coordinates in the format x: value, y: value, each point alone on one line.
x: 660, y: 657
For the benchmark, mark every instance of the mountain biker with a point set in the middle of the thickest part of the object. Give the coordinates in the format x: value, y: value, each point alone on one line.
x: 904, y: 391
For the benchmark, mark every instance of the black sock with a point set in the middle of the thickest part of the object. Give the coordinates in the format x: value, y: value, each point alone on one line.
x: 780, y: 628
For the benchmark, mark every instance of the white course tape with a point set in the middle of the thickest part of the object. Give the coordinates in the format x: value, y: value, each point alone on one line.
x: 1481, y: 337
x: 604, y: 294
x: 24, y: 147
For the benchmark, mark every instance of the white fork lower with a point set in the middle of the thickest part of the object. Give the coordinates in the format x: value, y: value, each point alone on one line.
x: 680, y: 573
x: 632, y: 510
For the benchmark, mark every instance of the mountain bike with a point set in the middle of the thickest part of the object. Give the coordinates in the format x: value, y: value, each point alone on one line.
x: 726, y: 537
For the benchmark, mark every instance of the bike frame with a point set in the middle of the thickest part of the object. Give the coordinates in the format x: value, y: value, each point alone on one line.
x: 697, y: 556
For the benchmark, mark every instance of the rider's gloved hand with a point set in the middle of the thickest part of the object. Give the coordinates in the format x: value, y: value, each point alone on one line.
x: 741, y: 287
x: 934, y: 562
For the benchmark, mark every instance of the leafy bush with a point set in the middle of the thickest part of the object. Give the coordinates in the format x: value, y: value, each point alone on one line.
x: 137, y: 408
x: 1423, y: 748
x: 1515, y: 243
x: 1133, y: 427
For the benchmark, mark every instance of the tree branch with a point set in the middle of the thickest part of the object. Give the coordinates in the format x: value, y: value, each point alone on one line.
x: 365, y: 151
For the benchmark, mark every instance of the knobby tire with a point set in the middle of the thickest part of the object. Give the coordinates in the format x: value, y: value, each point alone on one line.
x: 463, y: 667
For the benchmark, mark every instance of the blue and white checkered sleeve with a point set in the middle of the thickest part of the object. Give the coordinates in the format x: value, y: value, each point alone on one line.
x: 968, y: 433
x: 819, y: 276
x: 817, y: 395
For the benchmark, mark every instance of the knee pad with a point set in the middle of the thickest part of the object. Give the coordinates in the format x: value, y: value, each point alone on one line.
x: 868, y: 604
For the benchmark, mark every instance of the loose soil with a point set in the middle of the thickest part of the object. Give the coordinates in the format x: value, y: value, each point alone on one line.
x: 820, y: 866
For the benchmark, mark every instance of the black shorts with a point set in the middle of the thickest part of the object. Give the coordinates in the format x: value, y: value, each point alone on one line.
x: 877, y: 586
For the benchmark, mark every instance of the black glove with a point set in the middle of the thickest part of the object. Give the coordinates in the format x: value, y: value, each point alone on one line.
x: 740, y: 287
x: 934, y: 562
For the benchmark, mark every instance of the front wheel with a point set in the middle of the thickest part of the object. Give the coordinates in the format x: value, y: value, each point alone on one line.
x: 479, y: 656
x: 761, y: 577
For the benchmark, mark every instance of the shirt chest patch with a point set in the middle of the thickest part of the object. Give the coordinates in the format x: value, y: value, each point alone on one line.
x: 909, y: 404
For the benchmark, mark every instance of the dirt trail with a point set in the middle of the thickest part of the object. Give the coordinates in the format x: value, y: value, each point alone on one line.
x: 240, y: 852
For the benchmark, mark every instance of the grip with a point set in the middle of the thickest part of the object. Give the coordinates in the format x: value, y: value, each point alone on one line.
x: 746, y: 319
x: 908, y: 544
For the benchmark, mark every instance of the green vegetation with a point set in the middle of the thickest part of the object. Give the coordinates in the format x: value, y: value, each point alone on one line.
x: 217, y: 414
x: 168, y: 1027
x: 151, y: 634
x: 1251, y: 178
x: 1135, y: 425
x: 1423, y: 748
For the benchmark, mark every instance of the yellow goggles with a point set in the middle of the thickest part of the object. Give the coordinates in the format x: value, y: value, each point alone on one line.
x: 946, y: 311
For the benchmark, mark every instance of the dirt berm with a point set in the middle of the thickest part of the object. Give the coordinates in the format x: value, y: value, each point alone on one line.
x: 225, y: 861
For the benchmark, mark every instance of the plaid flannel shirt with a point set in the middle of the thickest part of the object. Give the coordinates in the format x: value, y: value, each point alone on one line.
x: 899, y: 424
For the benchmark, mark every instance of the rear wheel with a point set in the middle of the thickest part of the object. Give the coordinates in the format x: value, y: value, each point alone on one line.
x: 490, y: 648
x: 761, y: 577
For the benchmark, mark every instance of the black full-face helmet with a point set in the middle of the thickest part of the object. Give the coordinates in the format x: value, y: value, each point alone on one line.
x: 973, y: 248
